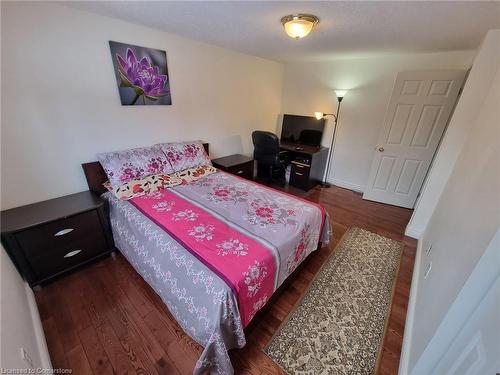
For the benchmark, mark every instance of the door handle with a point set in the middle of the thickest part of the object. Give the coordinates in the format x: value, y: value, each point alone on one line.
x: 380, y: 149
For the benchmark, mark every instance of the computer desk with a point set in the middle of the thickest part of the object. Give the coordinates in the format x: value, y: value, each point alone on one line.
x: 308, y: 164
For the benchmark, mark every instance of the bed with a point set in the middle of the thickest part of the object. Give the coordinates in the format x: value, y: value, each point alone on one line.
x: 215, y: 250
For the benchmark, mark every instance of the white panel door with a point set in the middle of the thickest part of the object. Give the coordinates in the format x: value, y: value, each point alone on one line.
x: 418, y: 111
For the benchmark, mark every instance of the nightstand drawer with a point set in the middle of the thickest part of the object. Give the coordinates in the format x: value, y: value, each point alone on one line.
x: 64, y: 259
x: 62, y: 244
x: 242, y: 170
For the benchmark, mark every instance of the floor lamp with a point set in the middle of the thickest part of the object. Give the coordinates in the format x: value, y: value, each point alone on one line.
x: 319, y: 115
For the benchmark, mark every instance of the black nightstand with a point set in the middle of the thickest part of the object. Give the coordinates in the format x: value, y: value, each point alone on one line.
x: 237, y: 164
x: 49, y: 238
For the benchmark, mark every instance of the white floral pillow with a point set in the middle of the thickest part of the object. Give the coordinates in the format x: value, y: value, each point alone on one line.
x: 150, y: 184
x: 184, y: 155
x: 127, y: 165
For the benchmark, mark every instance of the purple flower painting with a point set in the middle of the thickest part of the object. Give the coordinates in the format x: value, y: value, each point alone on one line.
x: 141, y: 74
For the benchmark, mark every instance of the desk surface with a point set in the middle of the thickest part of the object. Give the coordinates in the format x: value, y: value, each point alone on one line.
x: 304, y: 149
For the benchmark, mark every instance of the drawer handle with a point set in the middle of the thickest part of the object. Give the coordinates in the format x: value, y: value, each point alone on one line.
x: 63, y: 232
x: 72, y: 253
x: 298, y: 174
x: 240, y: 172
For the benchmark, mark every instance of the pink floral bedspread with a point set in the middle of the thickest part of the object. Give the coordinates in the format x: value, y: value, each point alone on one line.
x: 288, y: 226
x: 215, y: 250
x: 242, y: 262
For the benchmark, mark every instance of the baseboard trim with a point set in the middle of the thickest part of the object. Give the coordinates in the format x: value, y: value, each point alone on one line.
x: 404, y: 360
x: 413, y: 232
x: 37, y: 326
x: 347, y: 185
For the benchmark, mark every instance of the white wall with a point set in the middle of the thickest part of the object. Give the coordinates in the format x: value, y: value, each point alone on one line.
x: 475, y: 90
x: 19, y: 324
x: 60, y: 103
x: 308, y: 87
x: 464, y: 220
x: 467, y: 338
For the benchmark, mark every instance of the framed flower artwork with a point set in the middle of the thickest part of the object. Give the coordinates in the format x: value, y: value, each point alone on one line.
x: 141, y: 74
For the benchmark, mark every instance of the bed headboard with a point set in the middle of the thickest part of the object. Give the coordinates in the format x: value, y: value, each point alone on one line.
x: 95, y: 175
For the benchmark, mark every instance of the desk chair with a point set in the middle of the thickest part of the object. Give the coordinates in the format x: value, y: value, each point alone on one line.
x: 271, y: 163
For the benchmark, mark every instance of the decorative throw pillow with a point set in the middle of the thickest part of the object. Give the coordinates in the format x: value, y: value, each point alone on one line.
x: 184, y: 155
x: 127, y: 165
x: 192, y: 174
x: 135, y: 188
x: 150, y: 184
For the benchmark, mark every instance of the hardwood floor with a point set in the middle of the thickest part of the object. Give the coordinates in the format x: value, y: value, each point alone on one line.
x: 105, y: 319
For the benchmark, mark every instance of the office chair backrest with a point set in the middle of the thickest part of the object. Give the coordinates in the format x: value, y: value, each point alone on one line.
x: 266, y: 147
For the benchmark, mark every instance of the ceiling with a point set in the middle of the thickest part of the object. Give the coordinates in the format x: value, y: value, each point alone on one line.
x: 346, y: 28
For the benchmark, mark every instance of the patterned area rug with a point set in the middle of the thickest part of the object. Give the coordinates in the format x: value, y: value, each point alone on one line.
x: 338, y: 326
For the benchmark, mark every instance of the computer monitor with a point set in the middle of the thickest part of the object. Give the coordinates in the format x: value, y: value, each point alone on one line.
x: 303, y: 130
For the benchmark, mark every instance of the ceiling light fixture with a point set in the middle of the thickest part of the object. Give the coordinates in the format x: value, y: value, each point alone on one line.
x: 298, y: 26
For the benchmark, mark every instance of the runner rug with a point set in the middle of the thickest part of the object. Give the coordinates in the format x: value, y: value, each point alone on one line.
x: 338, y: 326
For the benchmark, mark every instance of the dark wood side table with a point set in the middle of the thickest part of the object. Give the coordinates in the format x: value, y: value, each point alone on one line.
x: 237, y: 164
x: 49, y: 238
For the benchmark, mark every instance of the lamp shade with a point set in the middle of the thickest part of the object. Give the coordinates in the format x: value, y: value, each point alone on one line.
x: 298, y: 26
x: 340, y: 93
